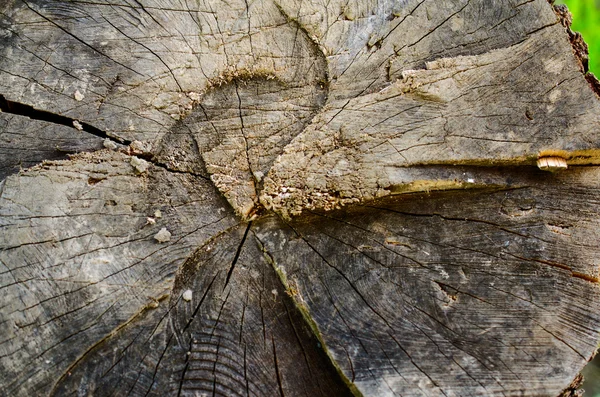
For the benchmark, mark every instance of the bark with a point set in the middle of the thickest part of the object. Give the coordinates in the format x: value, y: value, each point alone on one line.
x: 296, y: 198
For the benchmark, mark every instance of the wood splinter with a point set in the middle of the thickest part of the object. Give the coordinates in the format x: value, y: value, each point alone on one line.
x: 552, y: 163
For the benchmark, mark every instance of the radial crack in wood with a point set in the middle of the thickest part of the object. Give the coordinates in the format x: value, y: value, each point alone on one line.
x: 25, y: 143
x: 250, y: 124
x: 239, y: 335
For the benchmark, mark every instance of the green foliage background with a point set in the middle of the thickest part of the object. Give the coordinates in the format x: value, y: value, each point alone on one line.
x: 586, y: 20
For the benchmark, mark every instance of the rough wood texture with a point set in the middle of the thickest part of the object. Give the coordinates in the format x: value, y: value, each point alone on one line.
x: 295, y: 198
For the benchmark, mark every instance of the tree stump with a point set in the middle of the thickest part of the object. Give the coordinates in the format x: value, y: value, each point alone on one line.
x: 296, y: 198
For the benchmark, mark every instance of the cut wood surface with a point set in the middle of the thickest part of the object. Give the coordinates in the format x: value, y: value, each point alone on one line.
x: 296, y: 198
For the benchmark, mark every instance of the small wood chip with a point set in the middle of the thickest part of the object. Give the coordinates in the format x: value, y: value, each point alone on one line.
x: 139, y: 164
x: 77, y: 125
x: 163, y: 235
x: 109, y: 144
x: 187, y: 295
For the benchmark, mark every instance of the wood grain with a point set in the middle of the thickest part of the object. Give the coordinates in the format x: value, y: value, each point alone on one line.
x: 295, y: 198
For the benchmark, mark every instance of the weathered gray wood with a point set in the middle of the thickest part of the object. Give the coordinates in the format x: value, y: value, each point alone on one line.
x: 481, y: 110
x: 239, y: 335
x: 442, y: 118
x: 421, y: 295
x: 79, y: 259
x: 212, y: 255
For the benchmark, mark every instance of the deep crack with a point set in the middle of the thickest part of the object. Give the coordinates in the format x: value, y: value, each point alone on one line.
x: 21, y: 109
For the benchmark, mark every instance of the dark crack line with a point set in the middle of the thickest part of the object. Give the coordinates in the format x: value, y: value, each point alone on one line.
x: 243, y: 131
x: 416, y: 365
x: 174, y: 334
x: 563, y: 341
x: 218, y: 320
x: 237, y: 255
x: 277, y: 371
x: 165, y: 167
x: 245, y: 305
x: 439, y: 26
x: 410, y: 237
x: 181, y: 381
x: 150, y: 15
x: 21, y: 109
x: 330, y: 296
x: 193, y: 316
